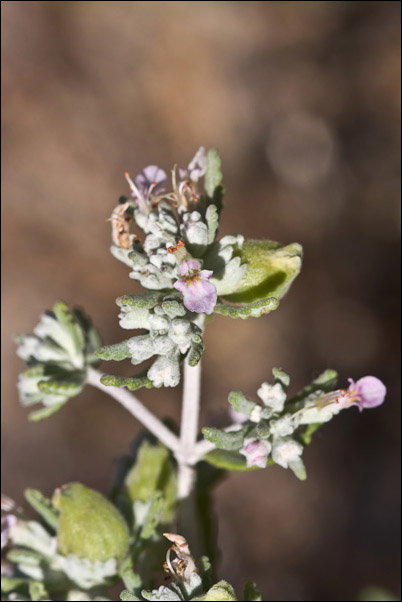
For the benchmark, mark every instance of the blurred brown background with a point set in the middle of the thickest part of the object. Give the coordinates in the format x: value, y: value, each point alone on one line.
x: 303, y: 101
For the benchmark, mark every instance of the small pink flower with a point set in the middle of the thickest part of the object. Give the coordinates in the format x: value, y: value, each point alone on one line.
x: 256, y: 452
x: 199, y: 295
x: 367, y: 392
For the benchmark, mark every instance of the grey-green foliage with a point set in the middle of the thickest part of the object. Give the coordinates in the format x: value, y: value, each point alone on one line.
x: 172, y: 334
x: 58, y: 353
x: 276, y: 430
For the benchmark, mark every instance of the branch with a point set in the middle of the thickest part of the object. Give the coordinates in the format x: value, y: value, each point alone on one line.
x: 137, y: 409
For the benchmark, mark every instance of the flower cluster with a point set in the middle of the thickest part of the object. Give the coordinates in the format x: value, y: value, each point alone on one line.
x: 277, y: 429
x: 179, y: 225
x: 58, y: 353
x: 172, y: 333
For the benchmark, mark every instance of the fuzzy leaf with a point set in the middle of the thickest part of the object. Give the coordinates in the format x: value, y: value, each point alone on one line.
x: 152, y: 471
x: 230, y: 460
x: 230, y: 441
x: 271, y: 269
x: 153, y: 518
x: 43, y: 506
x: 131, y: 382
x: 213, y: 178
x: 146, y: 300
x: 116, y: 352
x: 281, y: 377
x: 45, y: 412
x: 241, y: 404
x: 254, y: 310
x: 212, y: 217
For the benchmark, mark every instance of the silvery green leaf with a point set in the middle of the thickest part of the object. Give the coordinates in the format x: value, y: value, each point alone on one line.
x: 116, y: 352
x: 25, y: 557
x: 227, y: 268
x: 163, y: 345
x: 138, y: 258
x: 152, y: 277
x: 146, y: 300
x: 32, y: 535
x: 254, y: 310
x: 281, y: 377
x: 158, y: 323
x: 230, y: 460
x: 62, y: 348
x: 180, y: 332
x: 195, y: 233
x: 227, y: 440
x: 318, y: 415
x: 251, y: 593
x: 123, y: 255
x: 86, y: 573
x: 173, y: 307
x: 28, y: 381
x: 131, y: 382
x: 299, y: 469
x: 165, y: 371
x: 45, y: 412
x: 131, y: 318
x: 43, y: 506
x: 213, y: 178
x: 196, y: 350
x: 141, y: 348
x: 212, y: 217
x: 241, y: 404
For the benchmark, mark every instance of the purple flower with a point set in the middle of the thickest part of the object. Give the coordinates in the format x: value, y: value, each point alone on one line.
x: 199, y: 295
x: 256, y: 452
x: 150, y: 179
x: 367, y: 392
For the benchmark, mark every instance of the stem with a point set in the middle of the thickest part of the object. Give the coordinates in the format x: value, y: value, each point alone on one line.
x: 137, y: 409
x: 189, y: 426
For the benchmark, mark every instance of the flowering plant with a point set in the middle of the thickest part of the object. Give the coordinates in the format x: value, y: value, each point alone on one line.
x: 82, y: 542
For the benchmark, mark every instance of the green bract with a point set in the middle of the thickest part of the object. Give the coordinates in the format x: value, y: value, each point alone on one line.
x: 271, y: 269
x: 89, y: 525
